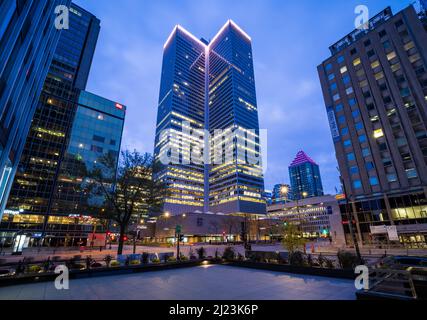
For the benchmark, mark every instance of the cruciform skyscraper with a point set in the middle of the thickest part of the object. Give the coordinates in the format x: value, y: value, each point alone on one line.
x: 208, y: 136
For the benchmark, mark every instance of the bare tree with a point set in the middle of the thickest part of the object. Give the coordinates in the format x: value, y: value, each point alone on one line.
x: 128, y: 192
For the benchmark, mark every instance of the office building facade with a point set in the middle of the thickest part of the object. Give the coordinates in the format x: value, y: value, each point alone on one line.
x: 375, y: 90
x: 28, y: 39
x: 305, y: 177
x: 318, y: 218
x: 208, y: 98
x: 45, y: 193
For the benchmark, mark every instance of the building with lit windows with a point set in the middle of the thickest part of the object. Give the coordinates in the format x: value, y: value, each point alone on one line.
x: 28, y: 39
x: 208, y: 98
x: 317, y: 217
x: 305, y: 177
x: 70, y: 129
x: 375, y: 90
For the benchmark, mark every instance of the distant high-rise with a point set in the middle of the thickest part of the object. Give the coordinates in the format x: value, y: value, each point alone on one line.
x: 28, y: 39
x: 375, y: 90
x: 305, y: 177
x: 210, y: 87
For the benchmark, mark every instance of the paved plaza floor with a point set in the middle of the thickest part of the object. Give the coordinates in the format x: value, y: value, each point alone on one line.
x: 199, y: 283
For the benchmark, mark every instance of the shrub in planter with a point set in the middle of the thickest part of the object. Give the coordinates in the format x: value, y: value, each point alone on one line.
x: 34, y: 269
x: 135, y: 263
x: 201, y: 252
x: 115, y: 263
x: 297, y: 259
x: 182, y: 257
x: 347, y: 260
x: 171, y: 259
x: 229, y: 254
x: 329, y: 264
x: 155, y: 260
x: 240, y: 257
x: 321, y: 260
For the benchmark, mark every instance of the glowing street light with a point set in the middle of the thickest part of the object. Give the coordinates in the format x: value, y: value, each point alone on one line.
x: 284, y: 190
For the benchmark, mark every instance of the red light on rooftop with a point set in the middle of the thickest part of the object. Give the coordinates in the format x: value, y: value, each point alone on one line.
x: 119, y: 106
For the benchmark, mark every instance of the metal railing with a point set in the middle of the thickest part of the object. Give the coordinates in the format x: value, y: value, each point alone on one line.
x: 390, y: 282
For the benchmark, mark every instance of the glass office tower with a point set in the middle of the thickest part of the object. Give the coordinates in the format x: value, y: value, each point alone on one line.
x: 375, y: 90
x: 306, y: 181
x: 208, y: 98
x: 28, y: 39
x: 33, y: 189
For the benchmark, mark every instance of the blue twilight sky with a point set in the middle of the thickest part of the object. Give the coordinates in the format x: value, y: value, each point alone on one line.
x: 290, y: 39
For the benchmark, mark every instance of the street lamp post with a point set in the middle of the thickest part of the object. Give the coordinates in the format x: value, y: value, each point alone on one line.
x: 349, y: 213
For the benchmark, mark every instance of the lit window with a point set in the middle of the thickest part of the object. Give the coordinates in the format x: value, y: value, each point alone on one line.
x: 356, y: 62
x: 362, y: 139
x: 346, y: 79
x: 357, y: 184
x: 352, y: 102
x: 336, y: 97
x: 375, y: 64
x: 392, y: 177
x: 343, y: 70
x: 391, y: 55
x: 374, y: 181
x: 349, y: 91
x: 409, y: 46
x: 412, y: 173
x: 414, y: 58
x: 379, y: 75
x: 378, y: 133
x: 347, y: 143
x: 351, y: 157
x: 366, y: 152
x: 369, y: 166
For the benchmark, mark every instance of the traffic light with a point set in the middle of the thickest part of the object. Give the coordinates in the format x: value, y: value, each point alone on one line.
x: 125, y: 238
x: 181, y: 238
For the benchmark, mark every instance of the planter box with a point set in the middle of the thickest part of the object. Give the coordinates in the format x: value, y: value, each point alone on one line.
x: 99, y: 272
x: 330, y: 273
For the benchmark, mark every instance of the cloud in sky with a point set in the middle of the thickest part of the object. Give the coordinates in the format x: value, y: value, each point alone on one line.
x: 290, y: 38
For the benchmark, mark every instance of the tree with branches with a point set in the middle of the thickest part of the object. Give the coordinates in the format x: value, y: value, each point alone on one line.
x: 128, y: 192
x: 292, y: 238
